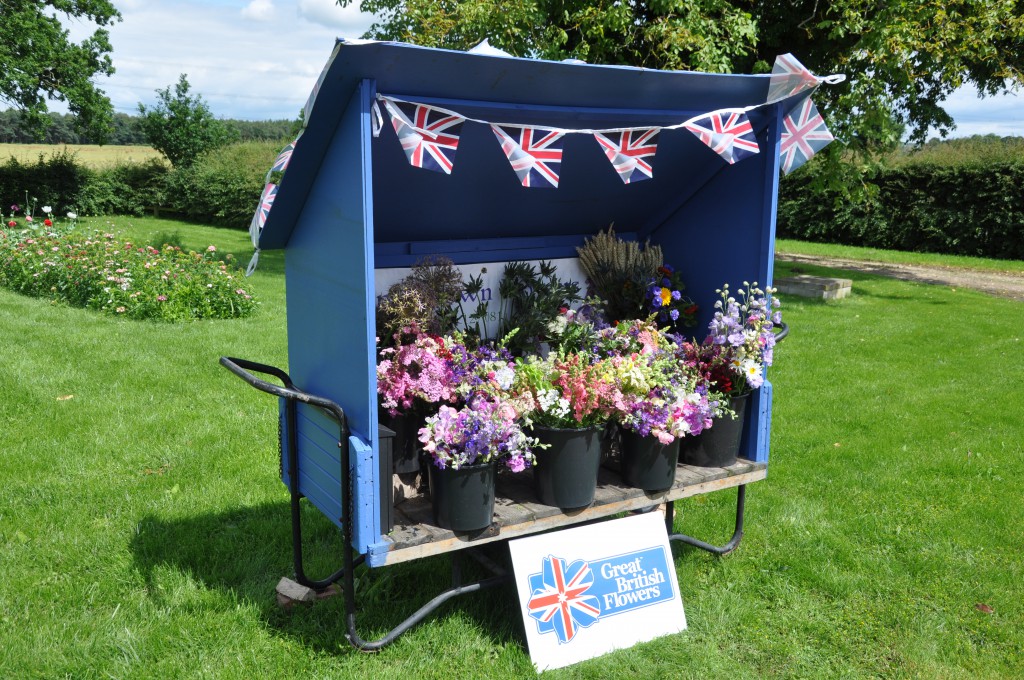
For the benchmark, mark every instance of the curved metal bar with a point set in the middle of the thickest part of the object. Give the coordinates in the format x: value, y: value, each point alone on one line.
x: 737, y: 535
x: 419, y: 615
x: 242, y: 368
x: 779, y: 337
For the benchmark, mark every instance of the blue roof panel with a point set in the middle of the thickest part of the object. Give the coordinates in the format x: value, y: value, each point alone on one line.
x: 482, y: 198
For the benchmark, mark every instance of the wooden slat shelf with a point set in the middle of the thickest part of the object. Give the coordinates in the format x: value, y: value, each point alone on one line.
x: 517, y: 512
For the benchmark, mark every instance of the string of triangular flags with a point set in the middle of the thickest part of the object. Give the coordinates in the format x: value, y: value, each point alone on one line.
x: 429, y: 136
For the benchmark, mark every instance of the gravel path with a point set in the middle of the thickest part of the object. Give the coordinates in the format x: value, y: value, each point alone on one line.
x: 1001, y: 284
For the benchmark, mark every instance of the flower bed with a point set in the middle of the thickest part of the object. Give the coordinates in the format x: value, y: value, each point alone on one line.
x: 99, y: 271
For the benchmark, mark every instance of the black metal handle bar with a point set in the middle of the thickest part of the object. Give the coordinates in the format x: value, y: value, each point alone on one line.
x: 779, y: 337
x: 289, y: 391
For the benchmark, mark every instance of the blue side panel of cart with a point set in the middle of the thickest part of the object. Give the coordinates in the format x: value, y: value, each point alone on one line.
x: 350, y: 203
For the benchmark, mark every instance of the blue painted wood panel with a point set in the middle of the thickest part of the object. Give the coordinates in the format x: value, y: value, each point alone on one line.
x: 331, y: 343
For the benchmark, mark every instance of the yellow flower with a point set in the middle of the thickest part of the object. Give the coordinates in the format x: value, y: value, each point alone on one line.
x: 666, y: 296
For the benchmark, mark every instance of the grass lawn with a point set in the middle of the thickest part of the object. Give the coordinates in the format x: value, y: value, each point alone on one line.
x: 143, y: 526
x: 92, y: 155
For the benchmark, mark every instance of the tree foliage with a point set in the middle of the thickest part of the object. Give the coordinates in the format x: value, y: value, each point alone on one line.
x: 902, y: 58
x: 181, y: 126
x: 38, y: 62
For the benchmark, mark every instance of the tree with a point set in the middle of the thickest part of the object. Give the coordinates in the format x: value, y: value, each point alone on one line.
x: 902, y: 58
x: 39, y: 63
x: 181, y: 126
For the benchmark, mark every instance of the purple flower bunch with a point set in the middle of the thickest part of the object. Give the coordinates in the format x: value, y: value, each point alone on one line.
x: 484, y: 430
x: 665, y: 299
x: 744, y: 327
x: 487, y: 368
x: 673, y: 406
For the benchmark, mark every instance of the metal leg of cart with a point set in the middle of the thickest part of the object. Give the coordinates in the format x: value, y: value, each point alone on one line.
x: 737, y: 536
x: 346, y: 575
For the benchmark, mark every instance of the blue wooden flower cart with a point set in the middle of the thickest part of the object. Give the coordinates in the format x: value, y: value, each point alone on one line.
x: 350, y: 203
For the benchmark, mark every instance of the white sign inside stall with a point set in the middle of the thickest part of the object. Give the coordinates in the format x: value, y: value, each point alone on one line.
x: 568, y: 270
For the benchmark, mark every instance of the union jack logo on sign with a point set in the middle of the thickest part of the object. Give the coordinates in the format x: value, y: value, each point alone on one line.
x: 558, y: 600
x: 429, y: 136
x: 630, y: 151
x: 263, y: 210
x: 803, y: 135
x: 789, y: 77
x: 535, y: 153
x: 728, y: 133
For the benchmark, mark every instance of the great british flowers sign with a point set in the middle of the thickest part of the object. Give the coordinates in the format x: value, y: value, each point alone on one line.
x: 590, y: 590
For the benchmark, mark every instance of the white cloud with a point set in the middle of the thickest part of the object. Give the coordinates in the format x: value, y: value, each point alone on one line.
x: 259, y: 10
x: 1001, y: 115
x: 349, y: 20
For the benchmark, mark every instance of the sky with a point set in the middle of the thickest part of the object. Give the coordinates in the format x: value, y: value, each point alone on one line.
x: 258, y: 59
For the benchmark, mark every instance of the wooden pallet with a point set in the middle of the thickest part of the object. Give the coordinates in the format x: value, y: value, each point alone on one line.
x: 517, y: 512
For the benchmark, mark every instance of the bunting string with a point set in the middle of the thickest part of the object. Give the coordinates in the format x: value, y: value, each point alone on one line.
x: 429, y: 134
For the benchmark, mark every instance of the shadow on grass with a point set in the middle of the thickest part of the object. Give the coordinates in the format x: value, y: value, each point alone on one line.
x: 245, y: 552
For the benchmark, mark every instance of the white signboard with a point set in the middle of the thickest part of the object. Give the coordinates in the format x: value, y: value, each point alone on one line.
x: 491, y: 272
x: 586, y: 591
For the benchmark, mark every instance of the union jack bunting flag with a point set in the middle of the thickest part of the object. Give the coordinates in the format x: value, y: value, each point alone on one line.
x: 558, y: 600
x: 535, y: 153
x: 262, y: 210
x: 789, y: 77
x: 429, y: 136
x: 803, y: 135
x: 282, y: 160
x: 308, y: 108
x: 728, y: 133
x: 630, y: 152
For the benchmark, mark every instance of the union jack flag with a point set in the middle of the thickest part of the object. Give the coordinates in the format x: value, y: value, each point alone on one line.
x: 628, y: 150
x: 558, y: 602
x: 803, y: 135
x: 429, y: 136
x: 283, y: 158
x: 535, y: 153
x: 263, y: 209
x: 789, y: 76
x: 728, y: 133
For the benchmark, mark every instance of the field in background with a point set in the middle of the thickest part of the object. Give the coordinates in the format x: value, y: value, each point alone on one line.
x: 92, y: 155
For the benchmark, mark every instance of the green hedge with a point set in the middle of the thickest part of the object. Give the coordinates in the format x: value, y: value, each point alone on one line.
x: 58, y: 181
x: 221, y: 188
x: 224, y: 186
x: 967, y: 209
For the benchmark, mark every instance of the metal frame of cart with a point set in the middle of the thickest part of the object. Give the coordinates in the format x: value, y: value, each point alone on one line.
x: 350, y: 204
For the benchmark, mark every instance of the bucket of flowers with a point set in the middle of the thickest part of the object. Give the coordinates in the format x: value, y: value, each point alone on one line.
x: 415, y: 375
x: 571, y: 400
x: 731, y: 362
x: 465, y: 447
x: 658, y: 403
